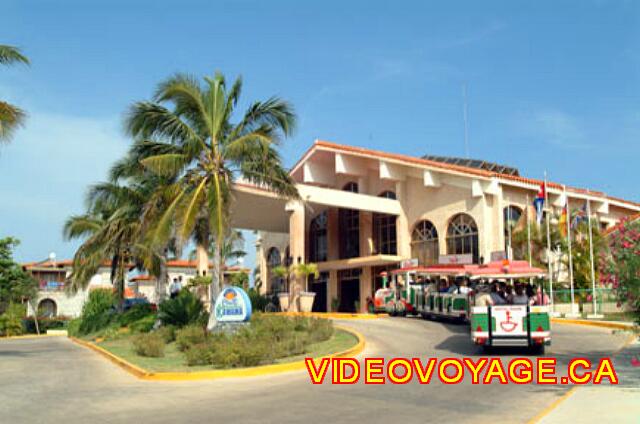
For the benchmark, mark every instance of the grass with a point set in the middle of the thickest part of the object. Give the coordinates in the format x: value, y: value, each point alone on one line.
x: 174, y: 360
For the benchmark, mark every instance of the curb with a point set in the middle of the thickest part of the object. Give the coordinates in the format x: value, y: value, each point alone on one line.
x: 127, y: 366
x: 331, y: 315
x: 603, y: 324
x: 546, y: 411
x: 217, y: 374
x: 30, y: 336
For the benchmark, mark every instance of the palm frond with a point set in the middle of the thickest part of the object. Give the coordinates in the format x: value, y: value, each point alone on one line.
x: 11, y: 118
x: 10, y: 55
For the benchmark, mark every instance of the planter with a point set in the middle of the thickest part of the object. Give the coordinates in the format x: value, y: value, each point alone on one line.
x: 284, y: 301
x: 306, y: 301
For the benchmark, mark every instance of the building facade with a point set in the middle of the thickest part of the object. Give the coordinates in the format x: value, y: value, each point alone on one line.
x: 54, y: 300
x: 362, y: 211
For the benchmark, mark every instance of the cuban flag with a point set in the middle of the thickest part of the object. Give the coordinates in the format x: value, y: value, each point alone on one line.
x: 538, y: 203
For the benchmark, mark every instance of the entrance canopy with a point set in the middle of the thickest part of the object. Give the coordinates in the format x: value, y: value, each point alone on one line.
x: 256, y: 208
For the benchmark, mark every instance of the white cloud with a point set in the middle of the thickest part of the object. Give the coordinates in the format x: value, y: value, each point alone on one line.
x: 45, y: 173
x: 554, y: 127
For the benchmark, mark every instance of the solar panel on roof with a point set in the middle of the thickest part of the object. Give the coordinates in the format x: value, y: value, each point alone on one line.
x: 474, y: 163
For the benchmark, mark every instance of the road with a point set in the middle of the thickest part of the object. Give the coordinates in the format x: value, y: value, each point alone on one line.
x: 52, y: 380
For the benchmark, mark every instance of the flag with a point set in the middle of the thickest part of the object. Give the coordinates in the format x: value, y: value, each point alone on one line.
x: 562, y: 223
x: 579, y: 216
x: 538, y: 203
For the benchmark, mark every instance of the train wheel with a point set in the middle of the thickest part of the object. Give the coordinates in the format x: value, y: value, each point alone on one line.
x: 537, y: 349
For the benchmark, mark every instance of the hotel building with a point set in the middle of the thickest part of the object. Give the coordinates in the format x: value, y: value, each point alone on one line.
x: 363, y: 211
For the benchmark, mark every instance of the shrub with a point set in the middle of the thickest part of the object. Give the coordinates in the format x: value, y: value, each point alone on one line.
x: 182, y: 310
x: 223, y: 354
x: 189, y: 336
x: 97, y: 312
x: 320, y: 330
x: 45, y: 324
x: 143, y: 325
x: 148, y: 344
x: 135, y: 313
x: 73, y: 328
x: 167, y: 332
x: 258, y: 301
x: 199, y: 354
x: 11, y: 320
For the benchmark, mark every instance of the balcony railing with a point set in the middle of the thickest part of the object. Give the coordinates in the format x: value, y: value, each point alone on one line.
x: 50, y: 286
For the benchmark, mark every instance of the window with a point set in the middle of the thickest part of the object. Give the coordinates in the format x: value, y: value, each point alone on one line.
x: 462, y: 236
x: 352, y: 187
x: 274, y: 260
x: 424, y: 243
x: 349, y: 226
x: 384, y: 230
x: 511, y: 218
x: 318, y: 238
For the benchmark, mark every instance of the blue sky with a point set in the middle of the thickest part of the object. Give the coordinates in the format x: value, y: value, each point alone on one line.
x: 551, y: 85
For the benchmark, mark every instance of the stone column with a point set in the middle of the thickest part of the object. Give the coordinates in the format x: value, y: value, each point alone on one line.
x: 366, y: 285
x: 296, y: 247
x: 366, y: 236
x: 402, y: 223
x: 332, y: 288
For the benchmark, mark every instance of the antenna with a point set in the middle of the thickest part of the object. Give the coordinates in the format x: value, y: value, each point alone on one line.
x: 464, y: 114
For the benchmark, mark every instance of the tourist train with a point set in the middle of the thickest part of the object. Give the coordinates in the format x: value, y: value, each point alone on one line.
x: 503, y: 301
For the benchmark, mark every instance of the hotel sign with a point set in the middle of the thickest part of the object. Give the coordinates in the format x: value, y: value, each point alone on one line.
x: 465, y: 259
x: 232, y: 305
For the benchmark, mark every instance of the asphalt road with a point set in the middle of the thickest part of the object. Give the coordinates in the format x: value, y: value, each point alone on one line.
x: 52, y: 380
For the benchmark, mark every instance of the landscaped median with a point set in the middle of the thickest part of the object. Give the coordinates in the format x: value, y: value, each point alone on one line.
x: 345, y: 342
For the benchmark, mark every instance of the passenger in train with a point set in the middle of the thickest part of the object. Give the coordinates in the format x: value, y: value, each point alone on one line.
x: 519, y: 297
x: 496, y: 298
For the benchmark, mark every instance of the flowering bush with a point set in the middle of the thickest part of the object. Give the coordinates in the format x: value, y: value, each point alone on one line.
x: 620, y: 268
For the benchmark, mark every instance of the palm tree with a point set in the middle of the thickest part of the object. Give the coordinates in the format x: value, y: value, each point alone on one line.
x: 232, y: 247
x: 11, y: 117
x: 188, y: 132
x: 112, y: 230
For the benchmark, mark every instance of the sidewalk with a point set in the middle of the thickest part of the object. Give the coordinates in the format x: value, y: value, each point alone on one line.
x: 597, y: 404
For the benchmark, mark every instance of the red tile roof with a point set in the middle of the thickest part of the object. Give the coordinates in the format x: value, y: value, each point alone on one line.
x: 452, y: 167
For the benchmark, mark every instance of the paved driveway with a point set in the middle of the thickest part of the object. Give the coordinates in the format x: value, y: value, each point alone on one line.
x: 52, y: 380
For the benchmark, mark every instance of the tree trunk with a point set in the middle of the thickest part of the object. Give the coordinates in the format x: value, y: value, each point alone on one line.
x: 202, y: 259
x: 163, y: 280
x: 214, y: 287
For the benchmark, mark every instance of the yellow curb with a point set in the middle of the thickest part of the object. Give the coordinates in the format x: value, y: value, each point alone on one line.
x: 331, y: 315
x: 126, y: 365
x: 229, y: 373
x: 614, y: 325
x: 546, y: 411
x: 30, y: 336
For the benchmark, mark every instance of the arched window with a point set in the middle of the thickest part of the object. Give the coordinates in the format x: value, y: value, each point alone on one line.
x: 424, y: 243
x: 274, y: 260
x: 273, y: 257
x: 462, y: 236
x: 349, y: 226
x: 47, y: 308
x: 511, y: 217
x: 318, y: 244
x: 350, y: 186
x: 384, y: 230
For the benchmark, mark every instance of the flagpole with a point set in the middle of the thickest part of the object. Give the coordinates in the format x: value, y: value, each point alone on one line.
x: 593, y: 272
x: 546, y: 202
x: 509, y: 249
x: 574, y: 313
x: 528, y: 230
